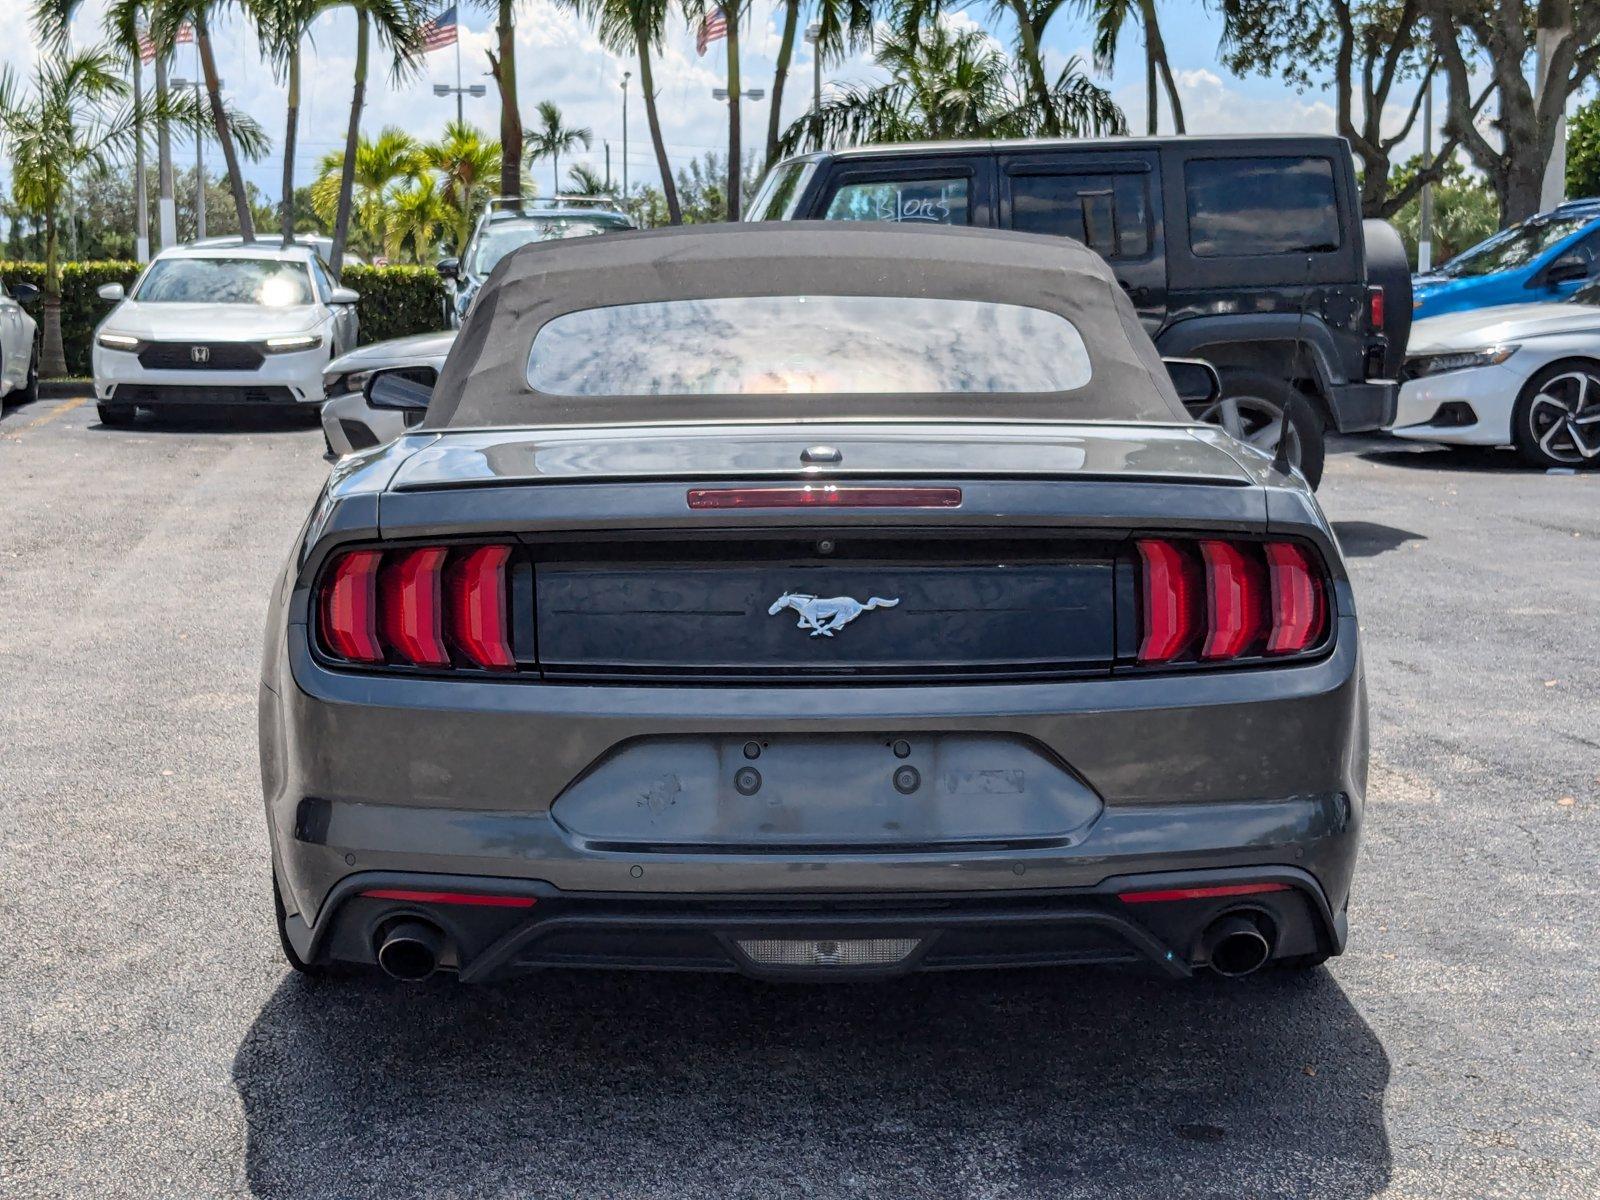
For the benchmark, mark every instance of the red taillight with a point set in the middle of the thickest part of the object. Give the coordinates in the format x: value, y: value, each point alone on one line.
x: 1201, y: 893
x: 478, y: 626
x: 1375, y: 308
x: 1240, y: 599
x: 1234, y: 609
x: 1168, y: 594
x: 475, y: 899
x: 350, y: 608
x: 1298, y: 611
x: 825, y: 495
x: 431, y: 606
x: 410, y: 609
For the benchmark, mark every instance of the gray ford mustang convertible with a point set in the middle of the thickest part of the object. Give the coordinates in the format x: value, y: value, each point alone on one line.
x: 810, y: 601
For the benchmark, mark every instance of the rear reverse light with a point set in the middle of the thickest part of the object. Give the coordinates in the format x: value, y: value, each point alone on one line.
x: 1218, y: 601
x: 825, y: 495
x: 1201, y: 893
x: 432, y: 606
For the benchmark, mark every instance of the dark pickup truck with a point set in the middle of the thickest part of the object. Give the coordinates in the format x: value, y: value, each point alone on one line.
x: 1249, y: 252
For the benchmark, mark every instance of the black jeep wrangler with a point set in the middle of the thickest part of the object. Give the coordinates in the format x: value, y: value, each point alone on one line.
x: 1249, y: 252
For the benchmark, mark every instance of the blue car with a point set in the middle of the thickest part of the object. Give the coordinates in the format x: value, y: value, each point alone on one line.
x: 1547, y: 257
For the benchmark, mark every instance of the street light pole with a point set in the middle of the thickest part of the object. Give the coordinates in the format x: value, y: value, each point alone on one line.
x: 199, y: 156
x: 626, y: 75
x: 444, y: 89
x: 814, y: 40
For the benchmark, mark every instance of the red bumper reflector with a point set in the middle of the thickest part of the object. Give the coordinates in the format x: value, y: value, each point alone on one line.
x: 1234, y: 596
x: 409, y: 601
x: 469, y: 898
x: 1202, y: 893
x: 1169, y: 597
x: 478, y: 625
x: 350, y: 607
x: 825, y: 495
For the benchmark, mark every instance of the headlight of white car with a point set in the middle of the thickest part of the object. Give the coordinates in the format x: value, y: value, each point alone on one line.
x: 1457, y: 360
x: 345, y: 382
x: 116, y: 341
x: 292, y: 343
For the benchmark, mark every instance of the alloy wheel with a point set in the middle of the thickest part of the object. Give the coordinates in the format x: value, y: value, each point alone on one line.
x: 1255, y: 420
x: 1564, y: 417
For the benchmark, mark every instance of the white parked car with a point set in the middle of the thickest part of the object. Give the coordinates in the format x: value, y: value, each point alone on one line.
x: 222, y: 327
x: 1526, y: 375
x: 19, y: 345
x: 350, y: 421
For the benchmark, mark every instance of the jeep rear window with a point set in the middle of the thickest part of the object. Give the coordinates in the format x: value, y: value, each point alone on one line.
x: 911, y: 201
x: 1244, y: 207
x: 838, y: 345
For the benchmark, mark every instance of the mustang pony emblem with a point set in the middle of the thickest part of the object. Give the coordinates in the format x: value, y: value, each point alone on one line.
x: 824, y: 618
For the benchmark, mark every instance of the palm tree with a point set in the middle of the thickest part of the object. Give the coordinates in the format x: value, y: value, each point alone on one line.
x: 1110, y: 16
x: 166, y: 18
x: 948, y: 83
x: 417, y: 217
x: 553, y: 137
x: 503, y: 66
x: 635, y: 27
x: 585, y: 182
x: 75, y: 117
x: 696, y: 10
x: 282, y: 26
x: 466, y: 164
x: 399, y: 26
x: 844, y: 25
x: 376, y: 169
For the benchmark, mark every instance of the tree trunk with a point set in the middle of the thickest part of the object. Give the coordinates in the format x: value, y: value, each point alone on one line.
x: 669, y: 188
x: 1028, y: 44
x: 734, y: 87
x: 1156, y: 48
x: 504, y: 65
x: 1150, y: 113
x: 791, y: 21
x: 292, y: 122
x: 352, y: 138
x: 53, y: 355
x: 219, y: 119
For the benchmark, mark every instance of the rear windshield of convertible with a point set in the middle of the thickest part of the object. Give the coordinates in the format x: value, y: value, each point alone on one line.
x: 773, y: 345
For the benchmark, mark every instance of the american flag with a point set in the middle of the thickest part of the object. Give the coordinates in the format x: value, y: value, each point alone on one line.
x: 713, y: 25
x: 147, y: 44
x: 440, y: 30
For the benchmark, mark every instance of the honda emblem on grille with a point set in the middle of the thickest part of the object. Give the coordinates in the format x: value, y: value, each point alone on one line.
x: 825, y: 617
x: 200, y: 354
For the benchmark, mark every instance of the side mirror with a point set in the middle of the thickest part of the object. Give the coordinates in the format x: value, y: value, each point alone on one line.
x: 448, y: 268
x: 114, y: 292
x: 404, y: 389
x: 1197, y: 382
x: 24, y: 293
x: 343, y: 295
x: 1568, y: 267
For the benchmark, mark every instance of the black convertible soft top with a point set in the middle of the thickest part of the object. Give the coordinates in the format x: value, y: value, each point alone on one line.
x: 485, y: 379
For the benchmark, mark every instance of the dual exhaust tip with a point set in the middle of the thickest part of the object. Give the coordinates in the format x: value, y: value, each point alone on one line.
x: 1238, y: 944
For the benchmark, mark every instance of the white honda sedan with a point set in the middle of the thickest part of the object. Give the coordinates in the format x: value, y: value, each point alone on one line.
x: 222, y: 327
x: 1525, y: 375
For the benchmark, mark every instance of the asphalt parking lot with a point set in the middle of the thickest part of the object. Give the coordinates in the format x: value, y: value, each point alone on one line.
x: 153, y: 1043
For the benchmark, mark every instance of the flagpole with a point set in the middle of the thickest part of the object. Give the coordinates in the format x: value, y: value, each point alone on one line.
x: 460, y: 120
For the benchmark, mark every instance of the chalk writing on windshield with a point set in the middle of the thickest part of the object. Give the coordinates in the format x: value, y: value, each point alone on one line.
x: 924, y: 201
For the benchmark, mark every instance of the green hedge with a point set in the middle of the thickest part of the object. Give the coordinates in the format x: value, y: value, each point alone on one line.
x: 81, y: 308
x: 395, y: 301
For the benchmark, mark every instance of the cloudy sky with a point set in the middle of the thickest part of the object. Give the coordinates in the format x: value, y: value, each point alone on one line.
x: 559, y: 59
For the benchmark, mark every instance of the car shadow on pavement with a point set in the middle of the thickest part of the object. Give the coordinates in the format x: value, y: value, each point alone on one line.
x: 1426, y: 456
x: 1368, y: 539
x: 236, y: 421
x: 1056, y: 1083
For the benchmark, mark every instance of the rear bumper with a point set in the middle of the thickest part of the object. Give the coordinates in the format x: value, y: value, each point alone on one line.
x: 1358, y: 407
x: 913, y: 932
